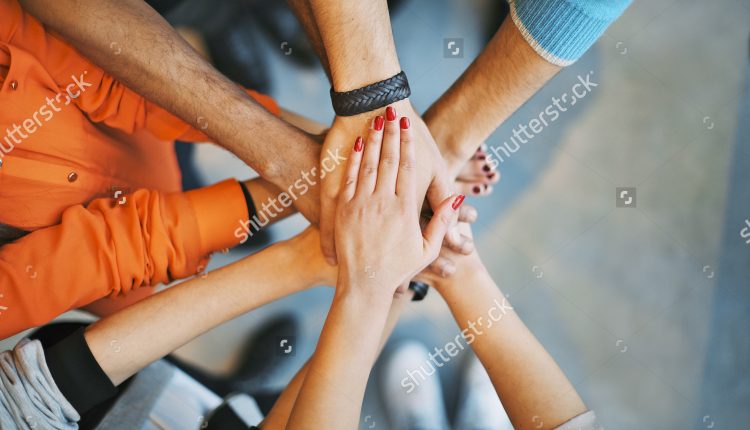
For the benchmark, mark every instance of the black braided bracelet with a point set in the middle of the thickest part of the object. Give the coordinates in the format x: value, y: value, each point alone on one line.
x: 371, y: 97
x: 420, y: 290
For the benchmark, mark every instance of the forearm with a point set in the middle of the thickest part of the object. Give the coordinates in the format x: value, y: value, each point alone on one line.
x: 135, y: 45
x: 357, y: 40
x: 525, y: 376
x: 126, y: 342
x: 504, y: 76
x: 334, y: 387
x: 278, y: 417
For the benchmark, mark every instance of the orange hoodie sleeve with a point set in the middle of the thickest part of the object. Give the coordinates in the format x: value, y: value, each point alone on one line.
x: 106, y: 249
x: 97, y: 93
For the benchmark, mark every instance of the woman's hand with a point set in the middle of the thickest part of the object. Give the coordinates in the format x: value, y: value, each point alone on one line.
x: 451, y: 267
x: 379, y: 243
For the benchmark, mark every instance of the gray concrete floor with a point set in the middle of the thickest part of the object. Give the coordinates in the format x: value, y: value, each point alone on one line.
x: 646, y: 308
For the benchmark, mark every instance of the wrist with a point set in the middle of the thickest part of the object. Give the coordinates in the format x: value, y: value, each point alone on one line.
x: 468, y: 276
x: 453, y: 142
x: 363, y: 292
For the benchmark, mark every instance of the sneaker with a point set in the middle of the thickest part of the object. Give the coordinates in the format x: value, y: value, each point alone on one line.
x: 479, y: 408
x: 263, y: 362
x: 410, y: 389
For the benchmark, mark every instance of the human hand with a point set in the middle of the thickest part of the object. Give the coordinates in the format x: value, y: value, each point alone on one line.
x: 309, y: 260
x: 432, y: 179
x: 455, y: 241
x: 449, y: 267
x: 478, y: 175
x: 379, y: 243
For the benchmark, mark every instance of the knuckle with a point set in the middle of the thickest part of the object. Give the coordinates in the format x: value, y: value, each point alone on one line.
x: 389, y: 159
x: 408, y: 164
x: 369, y: 169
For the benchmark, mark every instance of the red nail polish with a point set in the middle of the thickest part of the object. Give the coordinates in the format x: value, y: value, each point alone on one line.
x: 405, y: 123
x: 481, y: 157
x: 458, y: 201
x: 379, y: 121
x: 487, y: 168
x: 491, y: 175
x: 476, y: 190
x: 358, y: 144
x: 390, y: 113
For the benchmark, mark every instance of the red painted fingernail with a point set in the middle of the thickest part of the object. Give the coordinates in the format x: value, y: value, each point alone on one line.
x: 358, y: 144
x: 379, y: 121
x: 491, y: 175
x: 487, y: 168
x: 476, y: 190
x: 390, y: 113
x: 481, y: 157
x: 404, y: 123
x: 458, y: 201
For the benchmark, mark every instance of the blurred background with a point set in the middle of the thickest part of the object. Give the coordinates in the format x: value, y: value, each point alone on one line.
x: 644, y: 302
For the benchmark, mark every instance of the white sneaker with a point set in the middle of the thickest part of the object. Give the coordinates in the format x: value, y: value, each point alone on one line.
x: 410, y: 389
x: 479, y: 408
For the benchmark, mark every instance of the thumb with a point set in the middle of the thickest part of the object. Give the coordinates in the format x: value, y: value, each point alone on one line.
x: 445, y: 215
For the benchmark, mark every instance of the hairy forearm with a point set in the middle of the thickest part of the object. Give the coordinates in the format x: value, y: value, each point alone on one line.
x: 506, y: 74
x: 131, y: 339
x: 357, y: 41
x: 134, y: 44
x: 334, y: 387
x: 526, y: 378
x: 278, y: 417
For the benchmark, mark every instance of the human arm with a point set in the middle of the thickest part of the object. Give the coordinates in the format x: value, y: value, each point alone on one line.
x: 119, y: 36
x: 533, y: 43
x: 185, y: 311
x: 278, y: 416
x: 357, y: 43
x: 151, y: 238
x: 380, y: 184
x: 530, y: 384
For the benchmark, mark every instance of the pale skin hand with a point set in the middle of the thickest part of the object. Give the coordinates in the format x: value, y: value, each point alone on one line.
x: 129, y: 340
x: 130, y: 41
x: 379, y: 245
x: 534, y: 391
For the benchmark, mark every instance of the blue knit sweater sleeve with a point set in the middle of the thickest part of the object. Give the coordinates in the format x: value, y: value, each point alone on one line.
x: 562, y: 30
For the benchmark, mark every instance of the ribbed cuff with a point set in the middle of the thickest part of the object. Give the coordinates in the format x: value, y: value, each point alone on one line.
x: 561, y: 31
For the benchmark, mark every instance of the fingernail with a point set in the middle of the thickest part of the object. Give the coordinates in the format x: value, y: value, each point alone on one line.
x: 358, y: 144
x: 476, y: 190
x: 458, y: 201
x: 405, y: 123
x: 487, y: 168
x: 390, y: 113
x: 379, y: 121
x: 481, y: 157
x: 491, y: 175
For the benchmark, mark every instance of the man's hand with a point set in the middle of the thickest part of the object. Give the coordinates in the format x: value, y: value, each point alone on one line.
x: 432, y: 178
